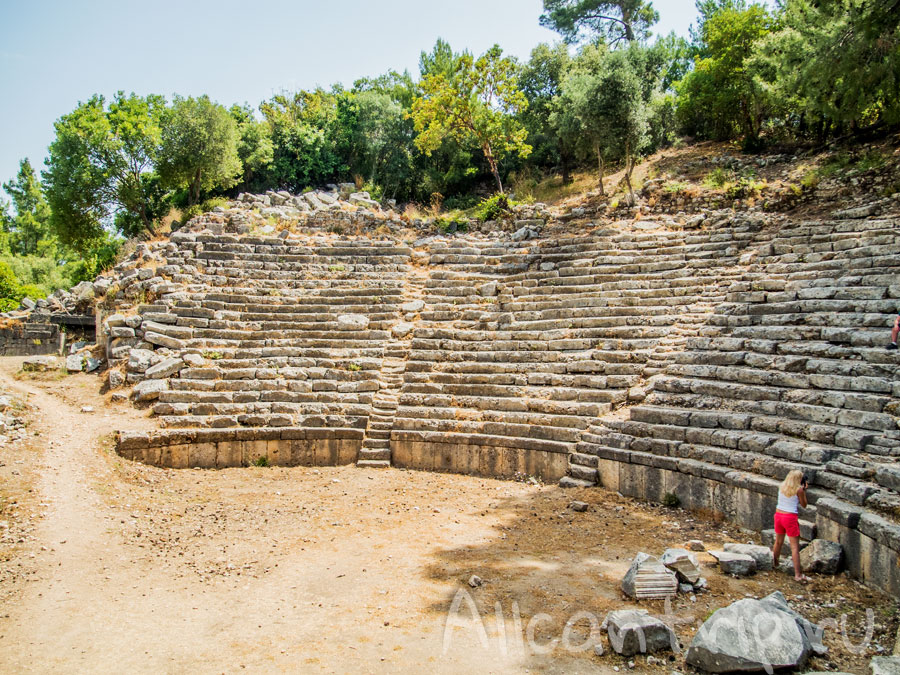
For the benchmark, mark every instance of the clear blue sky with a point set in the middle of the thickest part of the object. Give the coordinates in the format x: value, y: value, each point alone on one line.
x: 54, y: 54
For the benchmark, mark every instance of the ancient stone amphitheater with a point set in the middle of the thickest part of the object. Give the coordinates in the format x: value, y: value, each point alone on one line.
x: 691, y: 366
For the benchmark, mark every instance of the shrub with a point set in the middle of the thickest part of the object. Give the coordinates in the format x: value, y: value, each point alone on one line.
x: 717, y: 178
x: 671, y: 500
x: 493, y: 208
x: 212, y: 203
x: 261, y: 461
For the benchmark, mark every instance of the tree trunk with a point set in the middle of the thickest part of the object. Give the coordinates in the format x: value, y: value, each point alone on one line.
x: 489, y: 155
x: 148, y: 224
x: 194, y: 196
x: 600, y: 166
x: 629, y: 167
x: 564, y: 164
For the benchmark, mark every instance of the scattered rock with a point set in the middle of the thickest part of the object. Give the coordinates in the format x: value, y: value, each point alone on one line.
x: 578, y: 506
x: 75, y: 363
x: 40, y: 363
x: 822, y: 557
x: 115, y: 379
x: 475, y: 581
x: 695, y: 545
x: 761, y: 555
x: 683, y: 563
x: 635, y: 632
x: 752, y: 635
x: 736, y: 564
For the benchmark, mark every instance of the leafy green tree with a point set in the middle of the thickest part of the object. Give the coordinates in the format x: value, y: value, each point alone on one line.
x: 254, y: 146
x: 31, y: 223
x: 10, y: 290
x: 199, y: 147
x: 723, y: 97
x: 304, y: 128
x: 603, y: 101
x: 837, y: 62
x: 392, y: 160
x: 541, y: 81
x: 100, y: 164
x: 613, y: 21
x: 476, y: 104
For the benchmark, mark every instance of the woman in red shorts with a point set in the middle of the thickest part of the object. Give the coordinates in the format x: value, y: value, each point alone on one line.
x: 791, y: 495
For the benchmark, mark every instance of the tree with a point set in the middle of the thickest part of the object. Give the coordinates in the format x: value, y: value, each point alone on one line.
x: 603, y: 100
x: 614, y: 21
x: 100, y: 164
x: 30, y: 225
x: 254, y: 147
x: 199, y: 147
x: 304, y: 128
x: 475, y: 104
x: 837, y: 62
x: 723, y: 96
x: 541, y: 81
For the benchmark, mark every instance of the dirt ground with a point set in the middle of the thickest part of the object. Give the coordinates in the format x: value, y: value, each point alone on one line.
x: 109, y: 566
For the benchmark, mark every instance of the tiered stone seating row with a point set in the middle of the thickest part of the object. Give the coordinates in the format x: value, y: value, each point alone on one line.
x: 263, y: 312
x: 792, y: 372
x: 527, y: 345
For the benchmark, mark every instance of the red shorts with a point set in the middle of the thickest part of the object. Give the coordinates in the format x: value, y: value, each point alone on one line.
x: 787, y: 523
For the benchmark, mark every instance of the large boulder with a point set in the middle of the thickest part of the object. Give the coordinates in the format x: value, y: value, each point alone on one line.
x: 761, y: 555
x: 649, y: 578
x: 753, y: 635
x: 635, y: 632
x: 683, y: 563
x: 822, y: 557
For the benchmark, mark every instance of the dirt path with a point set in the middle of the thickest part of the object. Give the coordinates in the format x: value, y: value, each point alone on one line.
x: 330, y: 569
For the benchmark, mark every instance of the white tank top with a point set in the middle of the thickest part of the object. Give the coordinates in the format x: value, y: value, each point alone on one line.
x: 788, y: 504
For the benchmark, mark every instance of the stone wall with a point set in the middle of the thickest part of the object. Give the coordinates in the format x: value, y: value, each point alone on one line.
x: 222, y: 449
x: 29, y: 339
x: 479, y: 456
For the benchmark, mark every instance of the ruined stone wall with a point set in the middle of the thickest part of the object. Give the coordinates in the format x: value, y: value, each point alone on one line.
x: 29, y: 339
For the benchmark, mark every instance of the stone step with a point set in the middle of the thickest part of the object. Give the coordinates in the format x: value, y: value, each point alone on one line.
x: 570, y: 482
x: 374, y: 463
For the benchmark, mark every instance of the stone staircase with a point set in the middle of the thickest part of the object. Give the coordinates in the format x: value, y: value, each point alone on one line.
x: 376, y: 446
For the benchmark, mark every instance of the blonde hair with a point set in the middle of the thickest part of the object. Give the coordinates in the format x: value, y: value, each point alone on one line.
x: 791, y: 484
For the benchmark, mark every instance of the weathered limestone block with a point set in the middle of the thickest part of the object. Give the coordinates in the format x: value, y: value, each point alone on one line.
x: 649, y: 578
x: 149, y: 390
x: 822, y: 557
x: 352, y: 322
x: 635, y: 632
x: 736, y: 564
x: 729, y: 641
x: 683, y: 563
x: 761, y: 555
x: 165, y: 369
x: 163, y: 340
